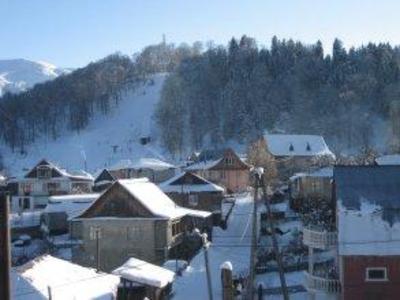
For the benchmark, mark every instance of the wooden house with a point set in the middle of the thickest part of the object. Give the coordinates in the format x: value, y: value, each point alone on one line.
x: 229, y: 171
x: 298, y: 152
x: 140, y: 279
x: 368, y: 224
x: 193, y: 191
x: 133, y: 218
x: 313, y: 185
x: 44, y: 180
x: 152, y: 168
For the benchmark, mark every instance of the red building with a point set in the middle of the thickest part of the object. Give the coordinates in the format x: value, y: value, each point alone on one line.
x: 368, y: 222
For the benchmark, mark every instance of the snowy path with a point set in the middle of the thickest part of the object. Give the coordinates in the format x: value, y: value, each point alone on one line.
x: 232, y: 244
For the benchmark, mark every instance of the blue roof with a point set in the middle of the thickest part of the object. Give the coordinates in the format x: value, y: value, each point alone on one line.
x: 379, y: 185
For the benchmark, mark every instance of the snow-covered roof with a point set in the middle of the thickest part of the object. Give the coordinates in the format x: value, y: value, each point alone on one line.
x: 368, y: 209
x: 201, y: 185
x: 76, y: 174
x: 145, y: 273
x: 393, y: 159
x: 323, y: 172
x: 156, y: 201
x: 297, y: 145
x: 65, y: 279
x: 142, y: 163
x: 72, y: 205
x: 203, y: 165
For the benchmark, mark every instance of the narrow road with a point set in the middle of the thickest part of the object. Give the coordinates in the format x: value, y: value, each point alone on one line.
x: 232, y: 244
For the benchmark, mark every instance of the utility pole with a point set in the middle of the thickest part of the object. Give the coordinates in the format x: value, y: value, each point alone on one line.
x: 205, y: 247
x: 250, y: 285
x: 274, y: 239
x: 98, y: 237
x: 5, y: 261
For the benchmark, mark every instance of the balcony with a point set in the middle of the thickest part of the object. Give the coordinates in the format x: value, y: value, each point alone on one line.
x: 322, y: 284
x: 319, y: 239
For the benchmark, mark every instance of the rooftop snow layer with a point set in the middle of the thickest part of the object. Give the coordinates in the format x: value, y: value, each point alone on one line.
x: 156, y: 201
x: 368, y: 209
x: 169, y: 186
x: 142, y: 163
x: 66, y: 280
x: 297, y: 145
x: 203, y: 165
x: 324, y: 172
x: 72, y: 205
x: 393, y: 159
x: 142, y: 272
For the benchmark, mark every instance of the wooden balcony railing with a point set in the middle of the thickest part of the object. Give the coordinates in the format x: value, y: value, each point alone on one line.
x: 319, y: 239
x: 316, y: 283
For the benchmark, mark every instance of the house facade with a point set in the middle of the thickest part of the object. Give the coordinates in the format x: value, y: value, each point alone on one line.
x: 132, y: 218
x: 193, y: 191
x: 44, y: 180
x: 229, y: 171
x: 313, y: 185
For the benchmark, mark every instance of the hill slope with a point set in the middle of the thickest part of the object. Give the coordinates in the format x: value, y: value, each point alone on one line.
x: 107, y: 138
x: 17, y: 75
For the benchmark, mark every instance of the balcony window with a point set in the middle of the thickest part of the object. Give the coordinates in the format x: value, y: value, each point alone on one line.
x: 376, y: 274
x: 193, y: 200
x: 43, y: 172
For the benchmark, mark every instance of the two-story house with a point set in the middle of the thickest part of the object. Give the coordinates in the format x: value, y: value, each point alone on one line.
x: 298, y: 152
x: 133, y: 218
x: 46, y: 179
x: 367, y: 241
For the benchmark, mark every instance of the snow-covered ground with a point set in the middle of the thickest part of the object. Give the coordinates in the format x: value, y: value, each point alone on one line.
x: 105, y: 141
x: 232, y: 244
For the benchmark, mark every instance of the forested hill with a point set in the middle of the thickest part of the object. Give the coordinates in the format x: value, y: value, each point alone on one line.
x: 70, y: 101
x: 236, y: 92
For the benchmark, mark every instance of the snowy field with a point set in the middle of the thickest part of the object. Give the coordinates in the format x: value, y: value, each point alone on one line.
x: 106, y: 140
x: 232, y: 244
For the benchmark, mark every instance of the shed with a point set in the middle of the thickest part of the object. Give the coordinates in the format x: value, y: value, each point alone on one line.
x: 140, y: 279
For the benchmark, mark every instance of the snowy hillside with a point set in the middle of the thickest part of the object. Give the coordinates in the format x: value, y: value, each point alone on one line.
x: 106, y: 140
x: 17, y: 75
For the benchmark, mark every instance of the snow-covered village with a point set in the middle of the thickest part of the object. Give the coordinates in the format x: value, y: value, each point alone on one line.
x: 199, y: 150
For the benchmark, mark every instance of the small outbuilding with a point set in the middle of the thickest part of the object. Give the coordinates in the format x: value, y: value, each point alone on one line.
x: 140, y: 279
x: 193, y: 191
x: 60, y: 209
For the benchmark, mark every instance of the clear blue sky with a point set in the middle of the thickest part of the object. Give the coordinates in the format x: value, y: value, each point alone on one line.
x: 71, y: 33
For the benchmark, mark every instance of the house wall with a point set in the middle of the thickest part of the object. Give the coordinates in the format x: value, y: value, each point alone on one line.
x: 209, y: 201
x: 354, y: 285
x: 232, y: 180
x: 144, y: 238
x: 311, y: 187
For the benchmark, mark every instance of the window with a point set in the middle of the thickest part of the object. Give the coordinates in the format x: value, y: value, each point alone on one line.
x: 134, y: 233
x: 94, y: 233
x: 43, y: 172
x: 53, y: 187
x: 193, y: 199
x: 229, y: 161
x: 291, y: 148
x: 26, y: 203
x: 177, y: 227
x: 376, y: 274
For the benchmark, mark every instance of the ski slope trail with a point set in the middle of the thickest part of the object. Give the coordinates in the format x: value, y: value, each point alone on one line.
x: 107, y: 139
